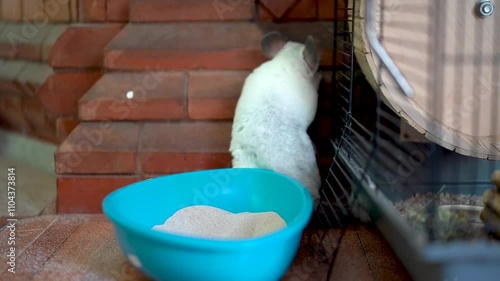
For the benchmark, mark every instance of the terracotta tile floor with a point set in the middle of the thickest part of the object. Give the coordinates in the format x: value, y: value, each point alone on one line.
x: 83, y: 247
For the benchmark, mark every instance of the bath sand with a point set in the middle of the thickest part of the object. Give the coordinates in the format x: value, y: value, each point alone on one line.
x: 215, y: 223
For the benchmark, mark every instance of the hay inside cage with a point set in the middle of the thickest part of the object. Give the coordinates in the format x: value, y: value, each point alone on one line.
x: 456, y: 216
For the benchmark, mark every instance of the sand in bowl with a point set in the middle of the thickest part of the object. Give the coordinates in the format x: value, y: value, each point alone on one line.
x: 215, y: 223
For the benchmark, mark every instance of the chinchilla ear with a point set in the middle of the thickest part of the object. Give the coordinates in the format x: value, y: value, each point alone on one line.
x: 272, y: 43
x: 311, y: 54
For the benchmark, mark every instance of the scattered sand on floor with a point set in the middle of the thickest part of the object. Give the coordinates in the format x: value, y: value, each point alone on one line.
x: 216, y: 223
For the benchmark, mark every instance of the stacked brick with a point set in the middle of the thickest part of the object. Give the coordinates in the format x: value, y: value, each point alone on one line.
x: 153, y: 85
x: 39, y: 90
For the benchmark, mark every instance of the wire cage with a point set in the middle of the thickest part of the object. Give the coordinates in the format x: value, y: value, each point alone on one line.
x: 416, y: 155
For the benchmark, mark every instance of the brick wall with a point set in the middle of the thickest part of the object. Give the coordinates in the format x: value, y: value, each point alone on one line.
x: 38, y: 89
x: 184, y: 61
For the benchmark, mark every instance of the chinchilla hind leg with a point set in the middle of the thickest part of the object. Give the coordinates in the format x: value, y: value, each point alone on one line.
x: 244, y: 159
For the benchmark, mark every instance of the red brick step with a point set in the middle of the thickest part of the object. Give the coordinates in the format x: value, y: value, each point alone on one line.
x: 99, y: 148
x: 180, y: 147
x: 205, y: 45
x: 25, y: 41
x: 151, y: 96
x: 214, y: 94
x: 144, y: 148
x: 182, y: 10
x: 197, y: 95
x: 230, y: 10
x: 84, y: 194
x: 62, y: 90
x: 81, y: 45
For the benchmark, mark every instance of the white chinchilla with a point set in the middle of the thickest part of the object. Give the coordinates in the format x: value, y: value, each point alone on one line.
x: 277, y: 104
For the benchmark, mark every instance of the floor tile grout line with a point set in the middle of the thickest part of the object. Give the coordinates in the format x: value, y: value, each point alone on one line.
x: 32, y: 241
x: 365, y: 253
x: 38, y: 236
x: 56, y: 249
x: 335, y: 254
x: 30, y: 230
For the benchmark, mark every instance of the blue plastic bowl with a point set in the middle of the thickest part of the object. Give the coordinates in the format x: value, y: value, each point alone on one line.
x: 134, y: 209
